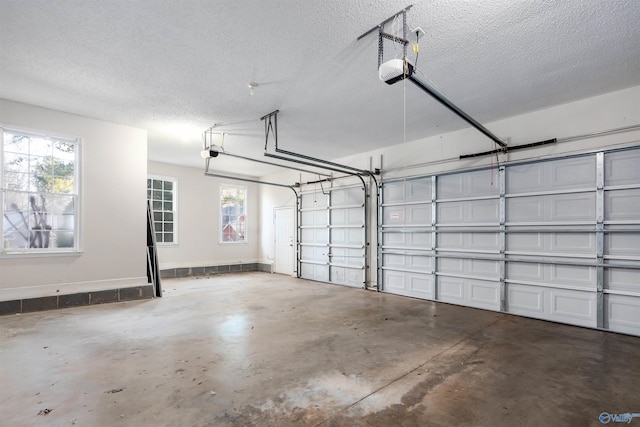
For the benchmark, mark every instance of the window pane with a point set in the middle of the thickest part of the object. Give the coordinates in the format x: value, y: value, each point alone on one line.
x: 159, y: 237
x: 168, y: 206
x: 168, y: 185
x: 157, y: 206
x: 157, y: 195
x: 157, y: 216
x: 64, y: 151
x: 40, y: 147
x: 168, y: 237
x: 14, y: 162
x: 168, y: 226
x: 64, y: 239
x: 148, y: 183
x: 168, y: 216
x: 63, y: 185
x: 157, y: 184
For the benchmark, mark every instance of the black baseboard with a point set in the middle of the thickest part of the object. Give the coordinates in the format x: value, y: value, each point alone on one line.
x: 55, y: 302
x: 213, y: 269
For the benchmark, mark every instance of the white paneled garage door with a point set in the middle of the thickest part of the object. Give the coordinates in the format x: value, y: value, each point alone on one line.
x: 333, y: 234
x: 556, y: 240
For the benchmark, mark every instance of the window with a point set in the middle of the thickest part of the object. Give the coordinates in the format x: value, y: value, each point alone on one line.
x: 162, y: 192
x: 39, y: 183
x: 233, y: 214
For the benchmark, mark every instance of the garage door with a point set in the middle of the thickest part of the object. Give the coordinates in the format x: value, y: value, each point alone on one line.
x: 332, y: 234
x: 557, y: 240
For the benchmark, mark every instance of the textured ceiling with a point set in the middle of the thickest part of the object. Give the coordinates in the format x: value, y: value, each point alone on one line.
x: 177, y: 67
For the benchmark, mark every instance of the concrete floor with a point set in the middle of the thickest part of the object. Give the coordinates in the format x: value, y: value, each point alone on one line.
x: 254, y: 349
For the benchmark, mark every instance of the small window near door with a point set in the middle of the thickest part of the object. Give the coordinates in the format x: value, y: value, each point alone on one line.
x: 162, y: 193
x: 233, y: 214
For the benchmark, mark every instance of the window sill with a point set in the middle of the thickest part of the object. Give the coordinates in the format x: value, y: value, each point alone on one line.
x: 52, y: 254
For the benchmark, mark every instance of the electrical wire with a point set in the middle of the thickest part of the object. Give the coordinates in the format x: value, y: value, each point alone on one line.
x: 416, y: 50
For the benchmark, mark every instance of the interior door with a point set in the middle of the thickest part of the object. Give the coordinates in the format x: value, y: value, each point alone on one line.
x: 284, y: 219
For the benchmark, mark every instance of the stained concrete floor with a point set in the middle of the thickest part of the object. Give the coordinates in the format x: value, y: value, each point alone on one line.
x: 254, y: 349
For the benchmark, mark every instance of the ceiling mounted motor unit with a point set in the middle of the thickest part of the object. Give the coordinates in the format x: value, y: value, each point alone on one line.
x: 394, y: 70
x: 211, y: 151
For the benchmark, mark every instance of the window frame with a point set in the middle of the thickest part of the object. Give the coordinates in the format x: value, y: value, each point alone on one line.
x: 174, y: 181
x: 221, y: 214
x: 76, y: 194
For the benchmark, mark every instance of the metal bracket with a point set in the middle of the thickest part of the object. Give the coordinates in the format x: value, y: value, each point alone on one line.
x: 272, y: 126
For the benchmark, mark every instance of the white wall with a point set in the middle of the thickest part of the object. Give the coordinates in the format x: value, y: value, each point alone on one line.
x: 113, y: 211
x: 440, y: 153
x: 199, y: 221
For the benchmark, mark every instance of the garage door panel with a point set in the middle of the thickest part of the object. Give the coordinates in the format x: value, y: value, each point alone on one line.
x: 573, y: 207
x: 314, y: 235
x: 559, y: 305
x: 524, y: 178
x: 451, y: 265
x: 622, y: 279
x: 561, y: 174
x: 578, y: 308
x: 314, y: 200
x: 525, y: 209
x: 452, y: 212
x: 347, y: 256
x: 315, y: 272
x: 478, y: 211
x: 409, y: 284
x: 557, y: 207
x: 347, y: 276
x: 407, y: 240
x: 485, y: 293
x: 525, y: 242
x: 621, y: 205
x: 622, y: 314
x: 486, y: 241
x: 451, y: 289
x: 347, y: 196
x: 314, y: 217
x: 469, y: 267
x: 525, y: 271
x: 415, y: 190
x: 525, y: 300
x: 573, y: 275
x: 350, y: 216
x: 468, y: 184
x: 484, y: 211
x: 314, y: 253
x: 469, y: 292
x: 621, y: 168
x: 409, y: 262
x: 347, y: 236
x: 407, y: 215
x: 577, y: 243
x: 622, y: 244
x: 470, y: 241
x: 552, y: 274
x: 552, y: 243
